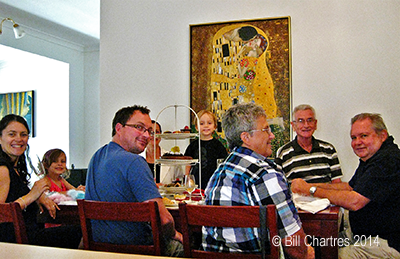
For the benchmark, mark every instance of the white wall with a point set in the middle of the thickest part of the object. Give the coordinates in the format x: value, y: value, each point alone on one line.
x: 345, y: 57
x: 48, y: 79
x: 79, y: 113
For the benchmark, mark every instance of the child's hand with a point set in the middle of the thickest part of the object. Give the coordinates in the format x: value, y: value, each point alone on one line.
x: 81, y: 188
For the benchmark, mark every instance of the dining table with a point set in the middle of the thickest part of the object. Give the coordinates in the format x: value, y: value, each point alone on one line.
x: 320, y: 227
x: 22, y: 251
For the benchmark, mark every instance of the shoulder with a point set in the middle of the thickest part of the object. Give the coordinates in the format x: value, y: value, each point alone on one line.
x: 46, y: 179
x: 113, y: 154
x: 286, y: 148
x: 4, y: 173
x: 4, y: 161
x: 325, y: 145
x: 218, y: 143
x: 256, y: 168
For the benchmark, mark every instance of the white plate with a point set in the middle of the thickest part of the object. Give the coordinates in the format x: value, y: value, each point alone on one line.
x: 173, y: 190
x: 191, y: 202
x: 177, y: 135
x: 177, y: 161
x: 71, y: 203
x: 175, y: 205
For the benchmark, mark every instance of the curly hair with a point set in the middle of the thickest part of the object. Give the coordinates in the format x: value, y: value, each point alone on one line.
x: 240, y: 118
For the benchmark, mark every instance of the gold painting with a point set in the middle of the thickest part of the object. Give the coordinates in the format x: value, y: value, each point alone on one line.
x: 243, y: 61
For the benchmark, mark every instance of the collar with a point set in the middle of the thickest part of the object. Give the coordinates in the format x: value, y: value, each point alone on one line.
x: 249, y: 152
x: 298, y: 148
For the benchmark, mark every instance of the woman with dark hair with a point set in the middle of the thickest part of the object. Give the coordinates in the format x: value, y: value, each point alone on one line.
x: 14, y: 180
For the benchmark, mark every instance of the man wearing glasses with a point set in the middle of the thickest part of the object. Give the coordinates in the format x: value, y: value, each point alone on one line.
x: 306, y: 157
x: 372, y: 195
x: 117, y: 173
x: 248, y: 178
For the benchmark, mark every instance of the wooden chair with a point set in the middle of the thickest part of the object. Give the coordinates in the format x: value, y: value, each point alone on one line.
x: 11, y: 212
x: 195, y: 216
x: 120, y: 211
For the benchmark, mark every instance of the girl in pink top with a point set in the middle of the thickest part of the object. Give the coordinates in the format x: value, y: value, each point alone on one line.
x: 55, y: 165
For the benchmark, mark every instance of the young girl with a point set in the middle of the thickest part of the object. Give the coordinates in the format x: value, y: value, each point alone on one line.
x: 55, y: 165
x: 211, y: 148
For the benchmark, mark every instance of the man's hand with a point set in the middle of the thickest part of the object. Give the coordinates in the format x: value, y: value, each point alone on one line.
x: 300, y: 186
x: 178, y: 237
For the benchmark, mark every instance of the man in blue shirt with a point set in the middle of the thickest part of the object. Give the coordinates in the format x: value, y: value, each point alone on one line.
x: 248, y: 178
x: 117, y: 173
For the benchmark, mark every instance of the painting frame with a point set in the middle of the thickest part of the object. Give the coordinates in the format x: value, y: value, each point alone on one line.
x: 20, y: 103
x: 214, y: 43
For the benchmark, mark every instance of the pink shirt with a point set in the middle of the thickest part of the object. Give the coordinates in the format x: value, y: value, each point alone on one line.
x: 54, y: 187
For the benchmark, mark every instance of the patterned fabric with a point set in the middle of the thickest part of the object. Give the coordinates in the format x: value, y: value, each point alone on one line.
x: 247, y: 178
x: 321, y: 165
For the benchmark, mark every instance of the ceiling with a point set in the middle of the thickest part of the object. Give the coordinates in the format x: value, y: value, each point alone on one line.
x: 79, y: 19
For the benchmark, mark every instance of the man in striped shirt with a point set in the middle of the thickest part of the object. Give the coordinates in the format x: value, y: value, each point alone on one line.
x: 306, y: 157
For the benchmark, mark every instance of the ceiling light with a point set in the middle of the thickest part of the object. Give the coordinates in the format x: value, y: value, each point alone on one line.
x: 18, y: 32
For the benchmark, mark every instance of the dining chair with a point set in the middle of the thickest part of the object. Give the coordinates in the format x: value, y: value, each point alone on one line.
x: 193, y: 217
x: 12, y: 213
x: 120, y: 211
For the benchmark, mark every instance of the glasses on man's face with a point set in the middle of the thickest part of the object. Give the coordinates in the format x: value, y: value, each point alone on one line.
x: 303, y: 121
x: 142, y: 129
x: 267, y: 130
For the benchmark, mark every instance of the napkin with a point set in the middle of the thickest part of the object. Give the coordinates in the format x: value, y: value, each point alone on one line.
x: 310, y: 204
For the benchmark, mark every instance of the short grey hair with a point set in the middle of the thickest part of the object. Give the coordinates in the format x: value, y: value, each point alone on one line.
x: 377, y: 121
x: 303, y: 107
x: 240, y: 118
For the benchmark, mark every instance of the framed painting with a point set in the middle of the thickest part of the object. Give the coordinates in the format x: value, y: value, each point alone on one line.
x: 243, y: 61
x: 20, y: 103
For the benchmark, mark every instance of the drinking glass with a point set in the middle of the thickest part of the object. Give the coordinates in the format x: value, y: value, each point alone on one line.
x: 190, y: 184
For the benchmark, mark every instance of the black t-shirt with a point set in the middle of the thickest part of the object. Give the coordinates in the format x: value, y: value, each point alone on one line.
x: 211, y: 151
x: 378, y: 179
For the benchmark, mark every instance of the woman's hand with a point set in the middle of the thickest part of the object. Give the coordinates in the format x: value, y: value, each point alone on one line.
x: 50, y: 205
x: 39, y: 187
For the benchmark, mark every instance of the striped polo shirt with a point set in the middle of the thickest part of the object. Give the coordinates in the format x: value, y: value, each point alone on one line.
x: 321, y: 165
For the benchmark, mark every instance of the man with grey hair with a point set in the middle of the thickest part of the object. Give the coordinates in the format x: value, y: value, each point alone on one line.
x: 248, y: 178
x: 306, y: 157
x: 372, y: 196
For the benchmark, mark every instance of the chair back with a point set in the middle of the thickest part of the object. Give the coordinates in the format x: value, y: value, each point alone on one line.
x: 12, y: 213
x: 193, y: 217
x: 120, y: 211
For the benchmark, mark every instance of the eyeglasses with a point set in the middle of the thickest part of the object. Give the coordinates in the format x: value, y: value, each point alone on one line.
x: 141, y: 129
x: 303, y: 121
x: 267, y: 130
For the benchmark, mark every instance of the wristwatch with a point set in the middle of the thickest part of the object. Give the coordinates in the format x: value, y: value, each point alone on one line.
x: 313, y: 189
